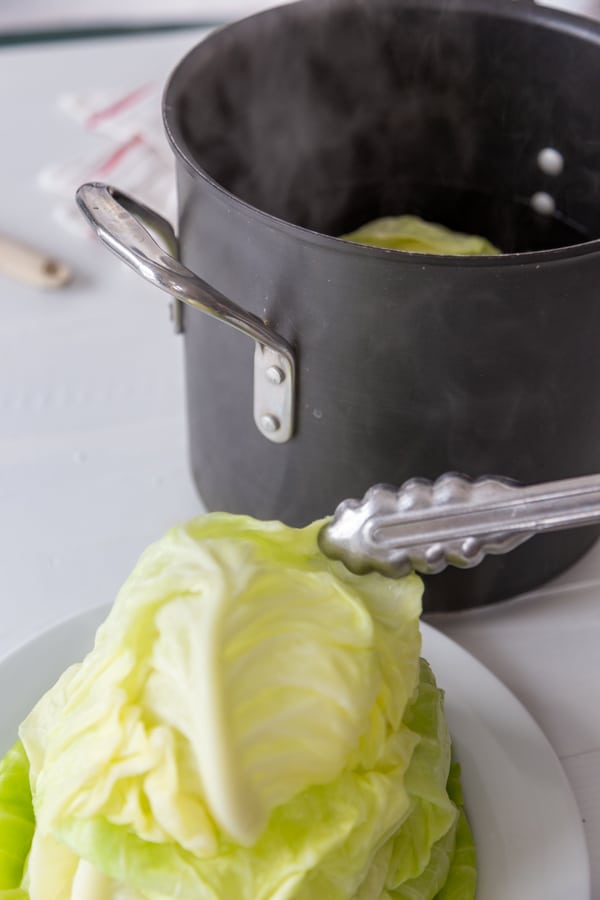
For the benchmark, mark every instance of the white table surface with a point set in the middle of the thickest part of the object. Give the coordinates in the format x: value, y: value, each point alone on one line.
x: 93, y: 458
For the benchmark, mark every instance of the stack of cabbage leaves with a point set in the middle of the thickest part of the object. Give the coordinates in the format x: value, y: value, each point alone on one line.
x: 254, y: 722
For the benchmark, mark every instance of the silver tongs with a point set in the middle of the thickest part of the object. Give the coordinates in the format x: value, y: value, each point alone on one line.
x: 454, y: 520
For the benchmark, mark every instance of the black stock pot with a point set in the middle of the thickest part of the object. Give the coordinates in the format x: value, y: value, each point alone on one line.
x: 348, y: 365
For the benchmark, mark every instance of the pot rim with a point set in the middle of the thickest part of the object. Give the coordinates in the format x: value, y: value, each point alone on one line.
x: 525, y: 10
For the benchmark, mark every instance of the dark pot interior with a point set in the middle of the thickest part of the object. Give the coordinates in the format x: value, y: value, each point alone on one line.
x: 328, y: 114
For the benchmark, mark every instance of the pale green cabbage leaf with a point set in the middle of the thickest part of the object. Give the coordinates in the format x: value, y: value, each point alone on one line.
x: 253, y: 722
x: 17, y: 821
x: 413, y: 234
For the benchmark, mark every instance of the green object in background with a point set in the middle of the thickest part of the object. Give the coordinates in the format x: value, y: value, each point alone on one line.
x: 410, y: 233
x: 17, y: 822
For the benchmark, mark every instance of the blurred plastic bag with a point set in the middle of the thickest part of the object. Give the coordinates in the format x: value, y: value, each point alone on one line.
x: 131, y: 152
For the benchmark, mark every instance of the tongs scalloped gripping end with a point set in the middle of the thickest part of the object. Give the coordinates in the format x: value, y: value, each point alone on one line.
x: 454, y: 520
x: 351, y: 537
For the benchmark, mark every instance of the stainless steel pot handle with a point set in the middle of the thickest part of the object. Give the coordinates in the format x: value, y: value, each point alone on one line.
x: 117, y: 220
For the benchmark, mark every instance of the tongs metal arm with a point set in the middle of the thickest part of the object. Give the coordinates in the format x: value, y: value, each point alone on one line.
x: 456, y: 521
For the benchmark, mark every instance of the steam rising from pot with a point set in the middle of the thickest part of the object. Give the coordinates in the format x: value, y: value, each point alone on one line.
x: 333, y: 112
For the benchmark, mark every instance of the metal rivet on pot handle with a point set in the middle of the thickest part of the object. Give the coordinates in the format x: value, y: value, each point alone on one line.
x: 117, y: 220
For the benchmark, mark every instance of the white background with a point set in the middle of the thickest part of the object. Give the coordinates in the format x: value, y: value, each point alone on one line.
x: 16, y: 14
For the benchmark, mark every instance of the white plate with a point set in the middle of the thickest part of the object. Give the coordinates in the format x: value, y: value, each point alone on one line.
x: 527, y: 826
